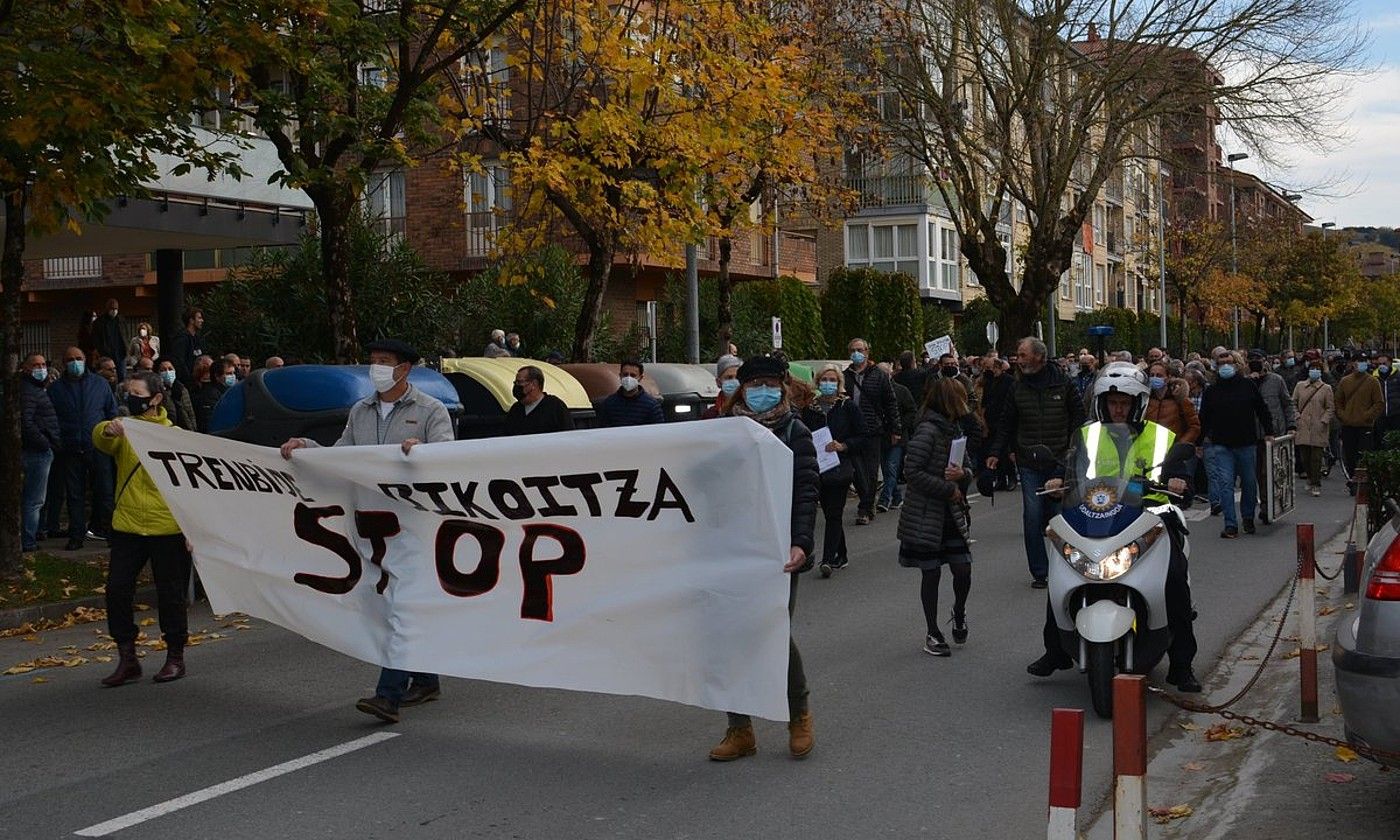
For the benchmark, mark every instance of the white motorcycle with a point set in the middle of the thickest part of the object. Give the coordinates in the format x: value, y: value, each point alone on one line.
x: 1110, y: 550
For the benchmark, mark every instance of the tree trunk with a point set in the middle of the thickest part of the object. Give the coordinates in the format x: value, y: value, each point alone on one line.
x: 333, y: 210
x: 725, y: 310
x: 11, y: 478
x: 599, y: 269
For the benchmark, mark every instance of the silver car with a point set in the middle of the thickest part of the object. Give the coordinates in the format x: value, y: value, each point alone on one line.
x: 1366, y: 653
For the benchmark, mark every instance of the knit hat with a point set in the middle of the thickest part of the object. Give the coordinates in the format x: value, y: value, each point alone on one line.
x: 726, y: 362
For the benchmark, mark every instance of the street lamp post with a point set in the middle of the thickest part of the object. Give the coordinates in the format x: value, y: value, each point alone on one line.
x: 1234, y: 254
x: 1162, y: 176
x: 1326, y: 320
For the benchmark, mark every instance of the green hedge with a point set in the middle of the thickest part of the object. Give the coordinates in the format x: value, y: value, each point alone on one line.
x: 754, y: 304
x: 884, y: 309
x: 1383, y: 473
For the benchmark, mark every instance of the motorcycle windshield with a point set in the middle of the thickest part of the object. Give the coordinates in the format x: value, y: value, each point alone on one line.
x: 1103, y: 496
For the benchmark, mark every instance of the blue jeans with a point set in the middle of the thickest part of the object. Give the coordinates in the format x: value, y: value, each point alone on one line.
x: 1036, y: 513
x: 393, y: 683
x: 890, y: 492
x: 32, y: 495
x: 1224, y: 464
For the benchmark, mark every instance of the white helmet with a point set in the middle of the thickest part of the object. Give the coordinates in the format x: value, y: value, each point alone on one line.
x: 1121, y: 378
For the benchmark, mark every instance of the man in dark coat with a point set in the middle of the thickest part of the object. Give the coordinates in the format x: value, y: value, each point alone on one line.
x: 186, y: 348
x: 873, y: 393
x: 534, y: 411
x: 107, y: 338
x: 39, y: 439
x: 631, y: 405
x: 82, y: 399
x: 1044, y: 409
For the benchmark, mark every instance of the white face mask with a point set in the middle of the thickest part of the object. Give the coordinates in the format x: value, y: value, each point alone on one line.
x: 382, y: 377
x: 145, y: 333
x: 629, y: 383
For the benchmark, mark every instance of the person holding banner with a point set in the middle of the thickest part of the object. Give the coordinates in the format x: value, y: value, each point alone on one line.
x: 762, y: 397
x: 397, y: 413
x: 143, y: 529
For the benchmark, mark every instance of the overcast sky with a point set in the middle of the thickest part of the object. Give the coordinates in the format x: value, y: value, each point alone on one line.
x: 1369, y: 164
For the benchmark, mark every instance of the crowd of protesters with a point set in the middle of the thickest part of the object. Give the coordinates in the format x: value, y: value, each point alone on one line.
x: 895, y: 426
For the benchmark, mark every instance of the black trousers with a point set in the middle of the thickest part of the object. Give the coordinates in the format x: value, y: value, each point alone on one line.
x: 1355, y: 440
x: 866, y: 462
x: 170, y: 566
x: 833, y: 499
x: 1180, y: 613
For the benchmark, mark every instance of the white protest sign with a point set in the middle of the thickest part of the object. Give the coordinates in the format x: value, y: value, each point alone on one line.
x: 939, y: 346
x: 642, y: 561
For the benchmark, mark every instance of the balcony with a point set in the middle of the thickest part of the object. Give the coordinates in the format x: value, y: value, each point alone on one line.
x: 482, y: 229
x: 891, y: 190
x: 1113, y: 189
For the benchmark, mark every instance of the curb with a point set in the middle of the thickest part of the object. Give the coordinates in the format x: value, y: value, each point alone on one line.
x: 18, y: 616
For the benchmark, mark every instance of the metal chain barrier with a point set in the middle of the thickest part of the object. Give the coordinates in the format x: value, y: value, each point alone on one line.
x: 1222, y: 709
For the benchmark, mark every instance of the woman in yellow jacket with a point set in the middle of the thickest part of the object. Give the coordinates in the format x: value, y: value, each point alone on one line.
x: 143, y: 529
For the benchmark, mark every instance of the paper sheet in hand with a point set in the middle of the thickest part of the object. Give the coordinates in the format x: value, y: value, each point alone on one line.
x: 825, y: 460
x: 956, y: 452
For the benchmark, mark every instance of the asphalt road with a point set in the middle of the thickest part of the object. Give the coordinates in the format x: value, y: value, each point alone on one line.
x: 907, y: 745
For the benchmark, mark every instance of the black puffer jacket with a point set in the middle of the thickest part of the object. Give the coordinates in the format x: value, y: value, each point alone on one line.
x: 928, y: 499
x: 806, y: 482
x: 876, y: 401
x: 38, y: 424
x: 1043, y: 409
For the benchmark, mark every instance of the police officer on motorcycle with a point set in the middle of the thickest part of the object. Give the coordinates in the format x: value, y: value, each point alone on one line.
x: 1120, y: 398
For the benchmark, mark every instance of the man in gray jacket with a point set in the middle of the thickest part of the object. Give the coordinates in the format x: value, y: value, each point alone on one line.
x: 1276, y: 396
x: 401, y: 414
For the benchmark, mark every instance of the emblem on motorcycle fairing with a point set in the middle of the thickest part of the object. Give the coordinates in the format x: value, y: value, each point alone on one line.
x: 1101, y: 501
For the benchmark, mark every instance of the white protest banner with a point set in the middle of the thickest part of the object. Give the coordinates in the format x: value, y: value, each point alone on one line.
x: 939, y: 346
x: 642, y: 561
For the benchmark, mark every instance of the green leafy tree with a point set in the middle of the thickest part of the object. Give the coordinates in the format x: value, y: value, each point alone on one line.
x: 90, y: 91
x: 880, y: 307
x: 344, y: 89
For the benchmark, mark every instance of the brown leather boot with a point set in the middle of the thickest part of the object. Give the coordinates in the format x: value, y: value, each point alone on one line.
x: 800, y: 740
x: 128, y: 666
x: 738, y: 742
x: 174, y: 667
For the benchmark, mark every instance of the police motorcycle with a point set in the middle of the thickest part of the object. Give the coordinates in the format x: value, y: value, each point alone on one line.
x: 1110, y: 549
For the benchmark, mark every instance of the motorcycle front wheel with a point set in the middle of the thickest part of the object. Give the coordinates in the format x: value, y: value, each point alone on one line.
x: 1101, y: 666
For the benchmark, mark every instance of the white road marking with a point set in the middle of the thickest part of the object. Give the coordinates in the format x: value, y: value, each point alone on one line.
x: 179, y: 803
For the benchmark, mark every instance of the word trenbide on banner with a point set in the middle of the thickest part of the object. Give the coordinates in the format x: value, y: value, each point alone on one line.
x: 649, y: 561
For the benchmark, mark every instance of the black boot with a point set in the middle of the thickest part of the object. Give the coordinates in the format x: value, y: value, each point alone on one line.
x: 174, y: 667
x: 1049, y: 664
x: 128, y: 666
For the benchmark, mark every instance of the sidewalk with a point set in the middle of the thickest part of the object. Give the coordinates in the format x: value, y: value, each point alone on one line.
x: 1261, y: 784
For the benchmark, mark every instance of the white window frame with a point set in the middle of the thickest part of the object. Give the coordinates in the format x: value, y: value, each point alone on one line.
x: 385, y: 201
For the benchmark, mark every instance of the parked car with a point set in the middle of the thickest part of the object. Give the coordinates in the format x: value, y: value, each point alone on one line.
x: 1366, y: 651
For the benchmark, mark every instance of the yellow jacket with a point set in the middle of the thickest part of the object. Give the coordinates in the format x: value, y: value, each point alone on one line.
x: 139, y: 506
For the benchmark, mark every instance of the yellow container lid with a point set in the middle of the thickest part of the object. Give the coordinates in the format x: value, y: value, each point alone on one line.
x: 498, y: 375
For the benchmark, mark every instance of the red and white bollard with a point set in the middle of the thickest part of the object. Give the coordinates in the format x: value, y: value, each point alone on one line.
x: 1066, y: 773
x: 1129, y: 757
x: 1307, y: 622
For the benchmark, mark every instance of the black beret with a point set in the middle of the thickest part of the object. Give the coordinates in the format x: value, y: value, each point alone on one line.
x: 402, y: 349
x: 763, y: 366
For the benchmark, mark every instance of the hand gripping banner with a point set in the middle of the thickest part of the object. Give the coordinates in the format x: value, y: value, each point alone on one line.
x: 644, y: 561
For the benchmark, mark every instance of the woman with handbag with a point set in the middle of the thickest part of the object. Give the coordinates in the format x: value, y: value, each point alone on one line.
x: 934, y: 522
x: 1316, y: 408
x: 832, y: 409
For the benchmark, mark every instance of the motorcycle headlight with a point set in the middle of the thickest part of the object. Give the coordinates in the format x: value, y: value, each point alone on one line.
x: 1113, y: 565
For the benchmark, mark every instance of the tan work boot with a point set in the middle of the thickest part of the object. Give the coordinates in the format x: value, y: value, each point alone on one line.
x: 738, y: 742
x: 800, y: 735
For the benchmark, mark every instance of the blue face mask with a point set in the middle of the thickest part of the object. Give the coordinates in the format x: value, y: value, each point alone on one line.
x: 729, y: 386
x: 168, y: 377
x: 230, y: 380
x: 1157, y: 383
x: 858, y: 357
x: 1383, y: 370
x: 76, y: 367
x: 827, y: 388
x: 761, y: 398
x: 1362, y: 367
x: 1288, y: 362
x: 1226, y: 371
x: 1314, y: 374
x: 40, y: 374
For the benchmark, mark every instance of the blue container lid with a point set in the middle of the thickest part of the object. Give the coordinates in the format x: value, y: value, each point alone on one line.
x: 316, y: 388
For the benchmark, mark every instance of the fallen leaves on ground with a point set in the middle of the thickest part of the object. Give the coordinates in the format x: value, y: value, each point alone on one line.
x: 1193, y: 766
x: 1225, y: 732
x: 1346, y: 755
x: 1166, y: 815
x: 1188, y: 726
x: 39, y: 680
x: 146, y: 622
x: 1339, y: 778
x: 45, y: 662
x: 1297, y: 652
x: 81, y: 615
x: 1327, y: 609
